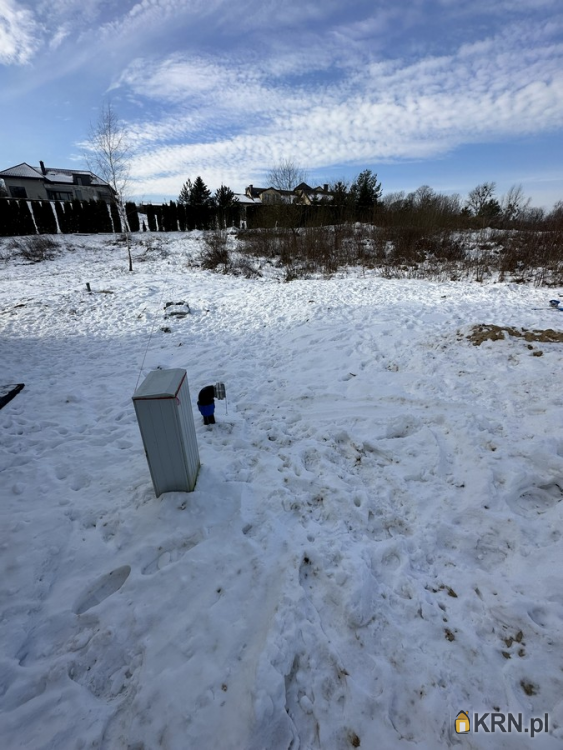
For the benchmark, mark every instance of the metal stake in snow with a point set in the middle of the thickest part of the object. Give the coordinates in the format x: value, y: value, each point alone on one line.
x: 221, y: 394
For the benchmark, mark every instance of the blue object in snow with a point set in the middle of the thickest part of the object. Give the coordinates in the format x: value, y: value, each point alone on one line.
x: 206, y: 404
x: 206, y: 410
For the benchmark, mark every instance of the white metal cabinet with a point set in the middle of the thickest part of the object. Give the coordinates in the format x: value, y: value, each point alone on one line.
x: 164, y: 413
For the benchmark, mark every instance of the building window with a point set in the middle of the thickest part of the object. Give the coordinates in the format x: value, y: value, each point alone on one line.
x: 17, y: 192
x: 57, y: 195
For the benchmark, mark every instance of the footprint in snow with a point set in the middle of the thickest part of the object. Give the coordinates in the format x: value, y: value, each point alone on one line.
x: 105, y: 587
x: 536, y: 500
x: 401, y: 427
x: 169, y: 553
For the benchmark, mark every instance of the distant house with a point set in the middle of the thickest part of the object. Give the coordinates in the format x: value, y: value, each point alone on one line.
x: 254, y: 193
x: 310, y: 196
x: 244, y: 201
x: 42, y: 183
x: 303, y: 194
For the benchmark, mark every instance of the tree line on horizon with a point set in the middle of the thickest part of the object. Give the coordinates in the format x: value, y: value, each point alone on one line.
x: 360, y: 200
x: 22, y: 217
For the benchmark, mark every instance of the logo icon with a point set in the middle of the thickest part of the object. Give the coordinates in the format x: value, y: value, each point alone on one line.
x: 462, y: 722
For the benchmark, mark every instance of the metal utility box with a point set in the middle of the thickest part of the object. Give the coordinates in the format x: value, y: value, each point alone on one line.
x: 164, y: 413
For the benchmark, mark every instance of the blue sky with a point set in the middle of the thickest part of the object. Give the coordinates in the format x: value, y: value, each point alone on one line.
x: 448, y: 93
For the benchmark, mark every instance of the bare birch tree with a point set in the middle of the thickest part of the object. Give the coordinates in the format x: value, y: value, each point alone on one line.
x: 108, y: 151
x: 108, y: 155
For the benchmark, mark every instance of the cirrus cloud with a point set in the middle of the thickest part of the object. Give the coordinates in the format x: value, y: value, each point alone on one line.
x: 18, y: 33
x: 245, y: 119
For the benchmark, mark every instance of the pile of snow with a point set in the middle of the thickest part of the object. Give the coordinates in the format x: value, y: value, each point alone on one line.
x: 375, y: 539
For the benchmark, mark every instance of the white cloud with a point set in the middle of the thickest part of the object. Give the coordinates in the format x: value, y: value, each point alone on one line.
x: 60, y: 35
x: 18, y: 33
x: 238, y: 118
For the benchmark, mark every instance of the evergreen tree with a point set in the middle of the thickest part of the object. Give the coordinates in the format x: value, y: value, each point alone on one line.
x: 61, y: 217
x: 103, y: 218
x: 132, y: 216
x: 160, y: 217
x: 164, y: 221
x: 482, y: 203
x: 7, y: 216
x: 226, y: 205
x: 366, y: 192
x: 16, y: 220
x: 90, y: 216
x: 185, y: 193
x: 191, y: 216
x: 116, y: 219
x: 480, y: 197
x: 37, y: 211
x: 181, y: 212
x: 202, y: 202
x: 490, y: 210
x: 200, y: 195
x: 173, y: 217
x: 76, y: 216
x: 341, y: 201
x: 151, y: 217
x: 26, y: 225
x: 48, y: 221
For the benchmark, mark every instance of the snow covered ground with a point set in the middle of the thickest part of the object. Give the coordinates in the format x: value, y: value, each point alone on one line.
x: 374, y: 543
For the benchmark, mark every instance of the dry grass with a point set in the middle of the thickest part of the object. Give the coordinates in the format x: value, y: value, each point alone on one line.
x: 402, y: 251
x: 38, y: 248
x: 484, y: 332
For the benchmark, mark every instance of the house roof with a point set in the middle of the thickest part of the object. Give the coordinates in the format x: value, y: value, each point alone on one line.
x: 66, y: 175
x: 304, y: 187
x: 244, y: 199
x: 52, y: 174
x: 22, y: 170
x: 255, y: 192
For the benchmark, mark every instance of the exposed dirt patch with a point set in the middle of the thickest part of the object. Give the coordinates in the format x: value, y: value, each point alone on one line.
x: 484, y: 332
x: 528, y: 687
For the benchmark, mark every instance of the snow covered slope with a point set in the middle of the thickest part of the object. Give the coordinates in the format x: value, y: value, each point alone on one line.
x: 374, y: 543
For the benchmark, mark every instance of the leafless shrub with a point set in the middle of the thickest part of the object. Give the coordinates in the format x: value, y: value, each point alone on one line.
x: 447, y: 248
x: 260, y: 243
x: 36, y: 249
x: 152, y: 247
x: 411, y: 250
x: 9, y: 249
x: 241, y: 267
x: 533, y: 255
x: 216, y: 253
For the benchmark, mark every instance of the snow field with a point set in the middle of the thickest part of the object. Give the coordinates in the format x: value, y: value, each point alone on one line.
x: 374, y: 542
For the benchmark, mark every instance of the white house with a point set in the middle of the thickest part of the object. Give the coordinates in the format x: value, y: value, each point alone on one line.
x: 42, y: 183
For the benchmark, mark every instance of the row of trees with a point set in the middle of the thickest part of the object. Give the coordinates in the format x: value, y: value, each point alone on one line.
x: 172, y: 217
x: 204, y: 210
x: 363, y: 200
x: 108, y: 152
x: 481, y: 208
x: 23, y: 217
